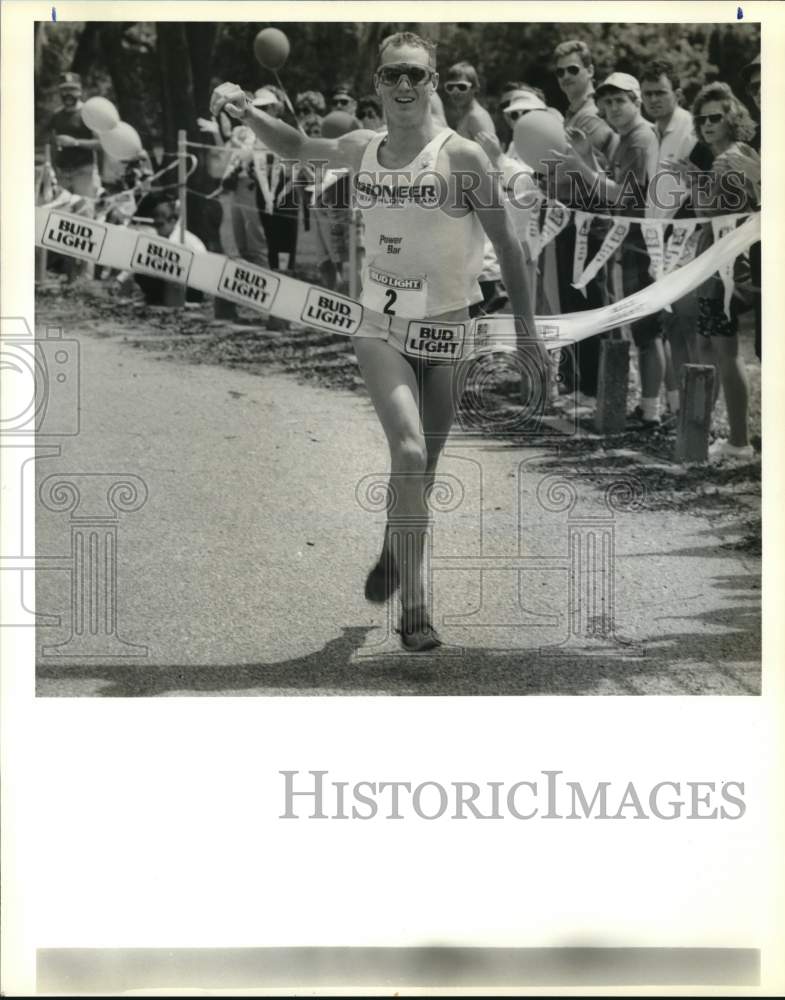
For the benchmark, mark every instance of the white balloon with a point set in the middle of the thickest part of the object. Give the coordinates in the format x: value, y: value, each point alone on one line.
x: 122, y: 142
x: 535, y: 134
x: 99, y: 114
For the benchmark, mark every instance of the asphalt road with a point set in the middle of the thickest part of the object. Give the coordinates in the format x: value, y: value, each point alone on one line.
x: 242, y: 571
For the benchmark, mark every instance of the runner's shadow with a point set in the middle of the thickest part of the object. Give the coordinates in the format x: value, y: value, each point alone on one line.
x: 671, y: 664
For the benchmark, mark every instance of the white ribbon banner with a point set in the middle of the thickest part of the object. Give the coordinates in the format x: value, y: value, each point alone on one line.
x: 610, y: 245
x: 583, y: 221
x: 533, y: 233
x: 277, y: 294
x: 557, y: 217
x: 677, y: 243
x: 654, y: 238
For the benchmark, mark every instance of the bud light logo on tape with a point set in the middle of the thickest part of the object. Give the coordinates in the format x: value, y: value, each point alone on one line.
x: 161, y: 259
x: 495, y: 334
x: 246, y: 284
x: 332, y: 312
x: 75, y: 236
x: 426, y: 340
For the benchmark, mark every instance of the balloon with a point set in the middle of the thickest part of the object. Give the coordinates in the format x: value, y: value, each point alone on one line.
x: 536, y: 133
x: 99, y: 114
x: 122, y: 142
x: 338, y: 123
x: 271, y: 48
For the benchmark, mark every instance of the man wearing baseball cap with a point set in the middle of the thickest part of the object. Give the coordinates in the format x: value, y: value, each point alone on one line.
x: 620, y: 97
x: 343, y: 99
x: 623, y: 189
x: 73, y: 144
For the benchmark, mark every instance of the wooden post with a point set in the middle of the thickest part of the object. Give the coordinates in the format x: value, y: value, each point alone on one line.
x: 40, y: 253
x: 174, y: 294
x: 182, y: 159
x: 353, y: 289
x: 697, y: 393
x: 610, y: 417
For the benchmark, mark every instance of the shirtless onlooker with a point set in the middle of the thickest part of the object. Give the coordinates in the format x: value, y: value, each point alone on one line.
x: 465, y: 114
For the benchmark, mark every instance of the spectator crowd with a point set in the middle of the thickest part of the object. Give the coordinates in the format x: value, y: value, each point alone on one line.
x: 632, y: 149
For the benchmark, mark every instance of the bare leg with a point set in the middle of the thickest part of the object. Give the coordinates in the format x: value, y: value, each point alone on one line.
x: 651, y: 358
x: 734, y: 384
x: 438, y: 412
x: 681, y: 332
x: 393, y: 388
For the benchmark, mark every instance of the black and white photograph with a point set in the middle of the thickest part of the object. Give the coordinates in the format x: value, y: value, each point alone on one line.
x: 408, y: 383
x: 364, y: 379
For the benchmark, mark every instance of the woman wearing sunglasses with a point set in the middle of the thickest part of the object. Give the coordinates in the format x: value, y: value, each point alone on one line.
x: 424, y: 239
x: 724, y: 124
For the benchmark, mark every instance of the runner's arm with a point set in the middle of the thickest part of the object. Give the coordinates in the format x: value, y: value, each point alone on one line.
x: 286, y: 141
x: 487, y: 200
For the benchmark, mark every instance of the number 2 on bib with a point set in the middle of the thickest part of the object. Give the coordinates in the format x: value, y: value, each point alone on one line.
x: 401, y: 295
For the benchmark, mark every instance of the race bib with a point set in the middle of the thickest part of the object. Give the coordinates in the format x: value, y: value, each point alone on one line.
x: 395, y: 294
x: 436, y: 341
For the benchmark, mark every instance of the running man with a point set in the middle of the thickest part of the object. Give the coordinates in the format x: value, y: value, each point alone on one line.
x: 424, y: 253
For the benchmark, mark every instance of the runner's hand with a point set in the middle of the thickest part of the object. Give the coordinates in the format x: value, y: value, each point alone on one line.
x: 537, y: 366
x: 67, y: 140
x: 230, y: 98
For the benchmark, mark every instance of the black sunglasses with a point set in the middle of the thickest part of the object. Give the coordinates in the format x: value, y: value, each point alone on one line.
x: 341, y: 102
x: 711, y: 119
x: 563, y: 70
x: 390, y: 75
x: 514, y: 115
x: 460, y: 85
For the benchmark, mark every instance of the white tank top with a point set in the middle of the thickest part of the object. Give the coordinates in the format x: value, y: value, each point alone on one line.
x: 419, y: 261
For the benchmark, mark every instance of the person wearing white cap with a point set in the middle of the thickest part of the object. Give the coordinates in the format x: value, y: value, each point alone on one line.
x: 517, y: 180
x: 74, y: 145
x: 239, y: 179
x: 623, y: 189
x: 275, y: 195
x: 517, y: 176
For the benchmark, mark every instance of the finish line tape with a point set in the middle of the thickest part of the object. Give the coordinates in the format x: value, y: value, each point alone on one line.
x: 297, y: 301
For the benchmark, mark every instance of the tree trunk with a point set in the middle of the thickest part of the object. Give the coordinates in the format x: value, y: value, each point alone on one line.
x: 134, y: 80
x: 86, y: 49
x: 201, y: 37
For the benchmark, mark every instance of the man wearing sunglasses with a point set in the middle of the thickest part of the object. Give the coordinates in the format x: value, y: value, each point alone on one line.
x: 575, y: 75
x: 574, y: 72
x: 424, y: 237
x: 343, y: 99
x: 464, y: 112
